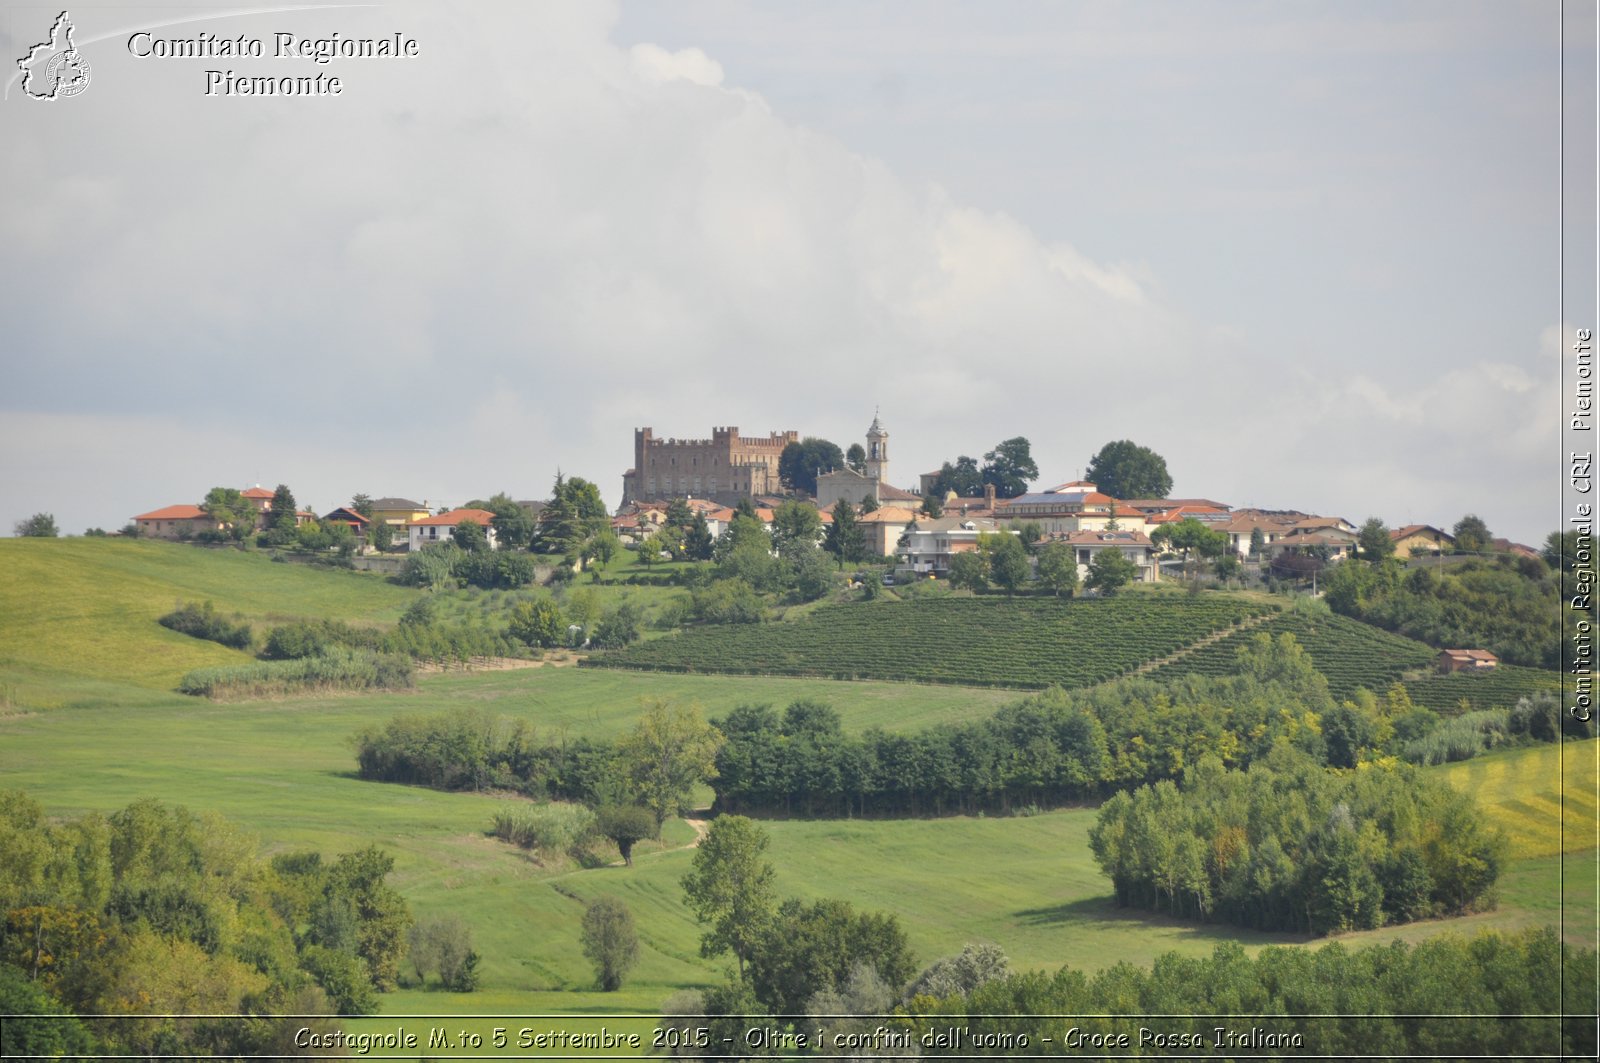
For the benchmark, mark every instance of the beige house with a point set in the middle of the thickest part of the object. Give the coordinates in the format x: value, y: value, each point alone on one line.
x: 177, y: 522
x: 1421, y: 540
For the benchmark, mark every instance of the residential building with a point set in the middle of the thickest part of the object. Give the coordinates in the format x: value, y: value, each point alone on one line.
x: 1134, y: 545
x: 441, y: 528
x: 177, y: 522
x: 932, y: 543
x: 1467, y: 661
x: 884, y: 527
x: 349, y: 517
x: 1421, y: 540
x: 398, y: 512
x: 1072, y: 507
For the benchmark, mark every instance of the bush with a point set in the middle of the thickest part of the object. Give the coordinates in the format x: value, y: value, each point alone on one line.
x: 551, y: 829
x: 337, y: 669
x: 202, y: 621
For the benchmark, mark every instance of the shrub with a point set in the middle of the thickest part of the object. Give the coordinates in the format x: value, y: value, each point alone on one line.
x: 202, y: 621
x: 337, y: 669
x: 552, y: 828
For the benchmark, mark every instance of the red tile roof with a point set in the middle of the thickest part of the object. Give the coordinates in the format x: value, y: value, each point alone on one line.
x: 174, y: 513
x: 456, y: 516
x: 256, y: 492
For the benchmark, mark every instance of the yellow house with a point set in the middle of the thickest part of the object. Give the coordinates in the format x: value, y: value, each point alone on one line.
x: 398, y: 512
x: 1420, y: 540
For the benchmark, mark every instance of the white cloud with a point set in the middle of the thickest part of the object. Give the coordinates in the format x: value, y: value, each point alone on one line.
x: 503, y: 256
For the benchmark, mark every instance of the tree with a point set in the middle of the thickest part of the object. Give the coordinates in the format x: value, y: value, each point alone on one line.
x: 513, y: 527
x: 442, y: 944
x: 932, y: 505
x: 1124, y: 469
x: 962, y: 477
x: 1192, y: 537
x: 969, y: 569
x: 679, y: 515
x: 470, y: 536
x: 38, y: 526
x: 868, y: 504
x: 729, y: 888
x: 626, y: 825
x: 669, y: 752
x: 618, y: 628
x: 227, y: 506
x: 796, y: 527
x: 1376, y: 544
x: 856, y: 457
x: 574, y: 515
x: 610, y: 941
x: 1008, y: 560
x: 537, y: 623
x: 1058, y: 567
x: 1010, y: 468
x: 282, y: 512
x: 1109, y: 571
x: 362, y: 504
x: 845, y: 539
x: 1258, y: 542
x: 697, y: 541
x: 1471, y: 534
x: 380, y: 535
x: 800, y: 463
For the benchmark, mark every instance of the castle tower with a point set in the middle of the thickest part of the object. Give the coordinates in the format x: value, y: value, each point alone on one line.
x: 877, y: 451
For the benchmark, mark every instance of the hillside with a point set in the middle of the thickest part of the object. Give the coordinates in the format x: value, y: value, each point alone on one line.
x: 1026, y: 643
x: 1353, y: 654
x: 85, y: 609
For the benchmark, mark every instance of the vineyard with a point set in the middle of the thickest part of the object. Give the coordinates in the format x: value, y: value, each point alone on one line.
x: 1498, y: 689
x: 1352, y: 654
x: 1024, y: 643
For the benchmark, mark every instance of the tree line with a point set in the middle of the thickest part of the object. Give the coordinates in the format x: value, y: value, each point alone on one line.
x: 154, y: 910
x: 1288, y: 846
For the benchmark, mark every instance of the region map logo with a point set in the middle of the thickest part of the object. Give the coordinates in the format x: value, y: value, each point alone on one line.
x: 55, y: 69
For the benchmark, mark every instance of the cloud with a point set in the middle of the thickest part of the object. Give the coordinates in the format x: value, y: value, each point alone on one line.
x: 499, y: 258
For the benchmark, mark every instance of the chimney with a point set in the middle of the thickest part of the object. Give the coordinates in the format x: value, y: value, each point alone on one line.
x: 988, y: 495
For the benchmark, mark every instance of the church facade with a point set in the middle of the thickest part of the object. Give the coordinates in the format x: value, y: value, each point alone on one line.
x: 847, y: 485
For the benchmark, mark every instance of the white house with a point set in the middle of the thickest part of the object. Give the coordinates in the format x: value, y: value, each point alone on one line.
x: 1133, y: 545
x: 932, y: 543
x: 442, y: 527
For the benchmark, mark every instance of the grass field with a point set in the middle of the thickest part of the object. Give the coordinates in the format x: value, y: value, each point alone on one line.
x: 77, y: 635
x: 86, y: 608
x: 1543, y: 797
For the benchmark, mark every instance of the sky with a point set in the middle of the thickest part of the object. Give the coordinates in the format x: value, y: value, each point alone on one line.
x: 1307, y: 252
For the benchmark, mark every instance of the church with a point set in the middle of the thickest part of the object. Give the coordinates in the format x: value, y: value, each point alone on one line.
x: 847, y: 485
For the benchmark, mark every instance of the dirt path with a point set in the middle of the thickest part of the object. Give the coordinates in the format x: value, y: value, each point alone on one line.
x: 700, y: 829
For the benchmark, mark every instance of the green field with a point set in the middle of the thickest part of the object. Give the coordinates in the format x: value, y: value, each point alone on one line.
x: 283, y: 770
x: 1026, y: 643
x: 85, y: 609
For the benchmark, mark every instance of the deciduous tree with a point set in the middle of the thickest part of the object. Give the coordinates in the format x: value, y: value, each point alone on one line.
x: 1124, y: 469
x: 1010, y: 467
x: 1109, y: 571
x: 38, y: 526
x: 801, y: 463
x: 1376, y: 544
x: 1471, y: 534
x: 610, y: 941
x: 1058, y: 567
x: 669, y: 752
x: 730, y: 888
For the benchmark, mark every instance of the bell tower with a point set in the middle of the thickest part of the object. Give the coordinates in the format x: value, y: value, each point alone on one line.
x: 877, y: 451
